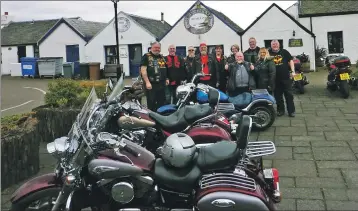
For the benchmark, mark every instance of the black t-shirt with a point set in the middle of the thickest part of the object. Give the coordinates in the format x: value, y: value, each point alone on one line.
x: 281, y: 60
x: 156, y: 67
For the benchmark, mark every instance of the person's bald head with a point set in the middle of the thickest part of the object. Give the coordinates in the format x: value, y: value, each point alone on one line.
x: 239, y: 56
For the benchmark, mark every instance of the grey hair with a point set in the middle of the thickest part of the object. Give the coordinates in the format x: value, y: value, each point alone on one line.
x: 275, y: 41
x: 172, y: 45
x: 155, y: 42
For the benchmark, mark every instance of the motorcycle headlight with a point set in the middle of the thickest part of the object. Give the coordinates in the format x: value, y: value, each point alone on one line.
x: 58, y: 147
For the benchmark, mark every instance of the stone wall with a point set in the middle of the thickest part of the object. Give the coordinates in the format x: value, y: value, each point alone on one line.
x: 19, y: 154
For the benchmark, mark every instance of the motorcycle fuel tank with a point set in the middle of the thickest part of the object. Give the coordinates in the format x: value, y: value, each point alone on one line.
x: 145, y: 161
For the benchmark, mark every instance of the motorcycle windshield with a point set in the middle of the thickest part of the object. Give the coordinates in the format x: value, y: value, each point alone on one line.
x: 87, y: 109
x: 117, y: 89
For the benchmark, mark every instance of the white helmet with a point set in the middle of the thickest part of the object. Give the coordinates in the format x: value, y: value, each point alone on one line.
x: 178, y: 150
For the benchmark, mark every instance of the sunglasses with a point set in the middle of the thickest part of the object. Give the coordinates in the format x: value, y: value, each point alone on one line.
x: 190, y: 50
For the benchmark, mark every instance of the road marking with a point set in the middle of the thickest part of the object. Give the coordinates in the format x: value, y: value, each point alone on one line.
x: 17, y: 106
x: 43, y: 92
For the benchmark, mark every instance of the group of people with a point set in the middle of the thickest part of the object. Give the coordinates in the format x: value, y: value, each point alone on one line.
x: 256, y: 68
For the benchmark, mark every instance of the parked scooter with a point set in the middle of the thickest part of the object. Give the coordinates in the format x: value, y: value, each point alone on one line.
x: 299, y: 80
x: 258, y: 104
x: 339, y: 74
x: 103, y: 171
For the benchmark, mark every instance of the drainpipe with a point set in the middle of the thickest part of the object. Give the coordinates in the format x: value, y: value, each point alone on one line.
x: 240, y: 34
x: 119, y: 72
x: 314, y: 43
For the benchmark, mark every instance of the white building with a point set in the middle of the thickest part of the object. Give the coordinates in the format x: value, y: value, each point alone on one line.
x: 275, y: 23
x: 135, y: 36
x: 63, y: 37
x: 335, y: 24
x: 201, y: 24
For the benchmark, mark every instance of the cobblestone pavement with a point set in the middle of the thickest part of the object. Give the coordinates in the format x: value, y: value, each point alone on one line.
x: 317, y: 151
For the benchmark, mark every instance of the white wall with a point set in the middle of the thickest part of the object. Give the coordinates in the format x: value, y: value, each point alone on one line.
x: 219, y: 34
x: 276, y: 25
x: 134, y: 35
x: 10, y: 56
x: 293, y: 11
x: 346, y: 23
x: 55, y: 44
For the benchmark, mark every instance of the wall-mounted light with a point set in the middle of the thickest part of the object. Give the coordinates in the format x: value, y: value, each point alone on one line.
x: 293, y: 33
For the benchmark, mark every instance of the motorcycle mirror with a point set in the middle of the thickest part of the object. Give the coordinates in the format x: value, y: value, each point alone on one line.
x: 243, y: 132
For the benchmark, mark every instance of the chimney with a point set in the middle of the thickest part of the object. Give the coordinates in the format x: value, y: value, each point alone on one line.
x: 6, y: 13
x: 162, y: 17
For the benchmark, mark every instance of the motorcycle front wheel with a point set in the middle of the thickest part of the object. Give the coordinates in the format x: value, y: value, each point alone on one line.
x: 264, y: 117
x: 41, y: 200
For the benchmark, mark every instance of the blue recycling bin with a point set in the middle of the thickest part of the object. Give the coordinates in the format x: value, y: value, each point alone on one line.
x: 29, y: 66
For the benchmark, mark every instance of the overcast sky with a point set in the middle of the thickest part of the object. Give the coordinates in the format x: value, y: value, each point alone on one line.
x: 241, y: 12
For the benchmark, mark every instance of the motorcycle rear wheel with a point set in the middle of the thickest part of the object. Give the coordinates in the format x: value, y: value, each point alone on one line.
x: 344, y: 89
x: 267, y: 116
x: 300, y: 87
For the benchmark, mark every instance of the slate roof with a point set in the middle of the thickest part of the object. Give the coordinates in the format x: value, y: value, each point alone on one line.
x: 87, y: 28
x: 321, y: 7
x: 156, y: 27
x: 27, y: 32
x: 31, y: 32
x: 225, y: 19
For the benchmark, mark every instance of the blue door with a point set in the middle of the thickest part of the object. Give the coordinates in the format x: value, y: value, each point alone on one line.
x: 73, y: 55
x: 181, y: 51
x: 135, y: 57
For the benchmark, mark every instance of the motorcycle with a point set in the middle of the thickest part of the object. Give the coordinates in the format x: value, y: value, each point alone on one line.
x: 303, y: 57
x: 258, y: 104
x: 103, y: 171
x: 299, y: 80
x: 339, y: 74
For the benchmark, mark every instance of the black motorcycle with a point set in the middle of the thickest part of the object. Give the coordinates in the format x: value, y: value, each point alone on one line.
x: 303, y: 57
x: 339, y: 75
x: 299, y: 80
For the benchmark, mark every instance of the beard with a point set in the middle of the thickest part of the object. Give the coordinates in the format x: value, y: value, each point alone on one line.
x: 203, y: 52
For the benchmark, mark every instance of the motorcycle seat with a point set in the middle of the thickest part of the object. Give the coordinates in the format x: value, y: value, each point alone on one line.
x: 180, y: 119
x: 220, y: 155
x: 179, y: 179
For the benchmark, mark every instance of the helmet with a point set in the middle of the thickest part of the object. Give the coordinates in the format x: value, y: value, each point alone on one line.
x: 178, y: 150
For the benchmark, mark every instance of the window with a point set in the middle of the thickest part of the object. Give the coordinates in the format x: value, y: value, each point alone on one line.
x: 181, y: 51
x: 268, y: 43
x: 111, y: 54
x: 335, y: 42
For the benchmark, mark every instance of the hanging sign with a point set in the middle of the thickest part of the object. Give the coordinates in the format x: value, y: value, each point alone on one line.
x: 199, y: 21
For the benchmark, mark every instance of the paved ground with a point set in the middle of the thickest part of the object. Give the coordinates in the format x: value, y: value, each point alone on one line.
x: 317, y: 151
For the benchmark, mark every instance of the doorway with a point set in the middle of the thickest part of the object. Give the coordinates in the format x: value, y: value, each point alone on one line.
x: 181, y: 51
x: 21, y: 52
x: 335, y: 42
x: 73, y: 55
x: 135, y: 57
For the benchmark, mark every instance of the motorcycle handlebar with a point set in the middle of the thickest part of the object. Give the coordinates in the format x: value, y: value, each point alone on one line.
x: 198, y: 75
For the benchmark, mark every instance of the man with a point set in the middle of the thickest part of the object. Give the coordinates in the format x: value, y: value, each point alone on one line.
x: 220, y: 61
x: 252, y: 54
x: 285, y: 69
x: 234, y: 49
x: 154, y: 73
x: 240, y: 76
x: 205, y: 64
x: 176, y: 72
x: 189, y: 61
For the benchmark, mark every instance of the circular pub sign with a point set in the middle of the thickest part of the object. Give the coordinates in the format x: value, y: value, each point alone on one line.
x: 199, y: 21
x: 123, y: 24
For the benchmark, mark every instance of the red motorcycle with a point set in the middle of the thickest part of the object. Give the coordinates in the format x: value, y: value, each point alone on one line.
x: 105, y: 172
x: 201, y: 122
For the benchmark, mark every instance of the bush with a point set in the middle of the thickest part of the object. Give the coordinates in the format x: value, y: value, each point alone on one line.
x: 14, y: 122
x: 320, y: 52
x: 68, y: 93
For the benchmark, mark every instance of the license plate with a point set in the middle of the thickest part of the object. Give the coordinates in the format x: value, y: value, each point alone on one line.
x: 344, y: 76
x: 297, y: 77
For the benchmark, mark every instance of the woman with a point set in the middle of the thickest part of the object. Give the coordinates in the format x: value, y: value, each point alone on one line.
x: 234, y: 49
x: 265, y: 70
